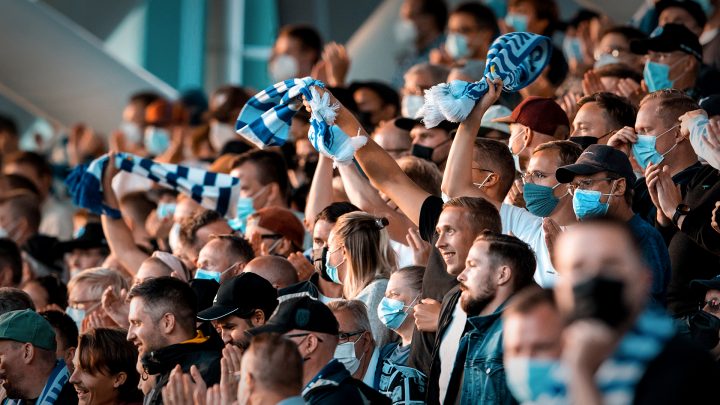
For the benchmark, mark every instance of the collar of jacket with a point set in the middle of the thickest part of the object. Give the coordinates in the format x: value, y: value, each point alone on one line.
x: 164, y: 360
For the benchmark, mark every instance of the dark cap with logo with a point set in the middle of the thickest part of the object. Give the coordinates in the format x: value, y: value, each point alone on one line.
x: 669, y: 38
x: 241, y: 296
x: 303, y: 313
x: 596, y: 159
x: 704, y: 285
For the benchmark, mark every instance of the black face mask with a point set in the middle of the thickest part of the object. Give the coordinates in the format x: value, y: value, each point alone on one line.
x: 704, y: 328
x: 600, y: 298
x: 365, y: 118
x: 584, y: 141
x: 423, y: 152
x: 319, y: 262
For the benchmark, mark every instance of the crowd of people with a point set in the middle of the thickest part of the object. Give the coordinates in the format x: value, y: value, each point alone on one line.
x: 560, y: 244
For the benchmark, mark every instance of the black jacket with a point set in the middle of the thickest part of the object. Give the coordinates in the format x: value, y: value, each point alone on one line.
x: 203, y: 352
x: 334, y: 385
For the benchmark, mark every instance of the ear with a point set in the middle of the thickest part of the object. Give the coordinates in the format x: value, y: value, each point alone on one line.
x: 6, y: 277
x: 285, y: 245
x: 258, y: 318
x: 529, y: 135
x: 310, y: 345
x: 119, y: 379
x: 504, y: 275
x: 239, y: 268
x: 274, y: 193
x: 249, y: 382
x: 69, y: 355
x: 167, y: 323
x: 492, y: 180
x: 28, y: 353
x: 620, y: 186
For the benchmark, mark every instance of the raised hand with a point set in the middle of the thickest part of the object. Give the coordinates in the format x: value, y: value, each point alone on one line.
x: 631, y: 90
x: 421, y: 248
x: 715, y: 219
x: 427, y: 313
x: 337, y: 64
x: 623, y: 140
x: 666, y: 194
x: 303, y: 267
x: 116, y: 306
x: 591, y: 83
x: 552, y: 230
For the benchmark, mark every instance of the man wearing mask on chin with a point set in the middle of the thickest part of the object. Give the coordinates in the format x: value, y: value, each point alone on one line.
x: 356, y: 348
x: 296, y: 50
x: 674, y: 60
x: 601, y: 184
x: 599, y: 116
x: 432, y: 144
x: 603, y: 295
x: 312, y: 326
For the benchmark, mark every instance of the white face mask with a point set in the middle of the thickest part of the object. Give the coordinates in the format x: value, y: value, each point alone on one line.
x: 132, y: 132
x: 411, y: 105
x: 220, y: 134
x: 405, y: 33
x: 697, y: 126
x: 283, y: 67
x: 345, y: 354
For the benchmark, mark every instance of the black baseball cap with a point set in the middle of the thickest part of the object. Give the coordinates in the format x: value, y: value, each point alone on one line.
x: 669, y: 38
x: 704, y: 285
x: 240, y: 296
x: 691, y: 7
x: 88, y: 237
x: 304, y: 313
x: 596, y: 159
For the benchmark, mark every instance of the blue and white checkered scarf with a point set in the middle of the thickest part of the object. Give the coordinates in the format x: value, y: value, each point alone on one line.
x: 516, y: 58
x: 214, y: 191
x: 265, y: 119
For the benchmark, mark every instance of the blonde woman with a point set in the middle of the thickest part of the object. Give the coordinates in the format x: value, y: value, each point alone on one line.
x: 360, y: 258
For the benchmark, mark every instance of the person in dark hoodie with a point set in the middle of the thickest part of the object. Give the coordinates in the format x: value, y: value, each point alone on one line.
x: 162, y: 327
x: 314, y: 328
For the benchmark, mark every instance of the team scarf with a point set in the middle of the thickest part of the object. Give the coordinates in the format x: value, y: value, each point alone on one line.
x: 265, y: 119
x: 54, y: 385
x: 214, y: 191
x: 516, y: 58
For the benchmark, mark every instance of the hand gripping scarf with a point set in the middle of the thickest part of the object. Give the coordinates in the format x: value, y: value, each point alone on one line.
x: 516, y: 58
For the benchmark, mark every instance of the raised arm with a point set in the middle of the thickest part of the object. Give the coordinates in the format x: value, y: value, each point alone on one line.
x: 383, y: 171
x: 321, y: 190
x: 366, y: 197
x: 117, y: 233
x: 457, y: 179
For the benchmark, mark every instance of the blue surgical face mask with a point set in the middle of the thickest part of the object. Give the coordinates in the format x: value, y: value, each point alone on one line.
x: 77, y: 315
x: 456, y: 46
x: 157, y: 140
x: 393, y: 312
x: 645, y: 152
x: 698, y: 139
x: 244, y: 208
x: 528, y: 378
x: 606, y: 59
x: 203, y: 274
x: 332, y: 271
x: 345, y: 354
x: 540, y: 200
x: 586, y: 204
x: 518, y: 22
x: 411, y: 105
x: 657, y: 76
x: 572, y: 48
x: 166, y: 210
x: 516, y: 157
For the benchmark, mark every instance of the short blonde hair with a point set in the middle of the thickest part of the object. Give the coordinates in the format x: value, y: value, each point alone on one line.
x: 98, y: 279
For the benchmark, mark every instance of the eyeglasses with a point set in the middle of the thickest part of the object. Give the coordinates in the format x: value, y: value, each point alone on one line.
x: 534, y: 176
x: 712, y: 306
x: 586, y: 183
x: 345, y: 336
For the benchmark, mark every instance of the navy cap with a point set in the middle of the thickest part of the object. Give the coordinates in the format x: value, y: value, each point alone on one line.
x: 669, y: 38
x: 241, y: 296
x: 712, y: 284
x: 596, y: 159
x: 303, y: 313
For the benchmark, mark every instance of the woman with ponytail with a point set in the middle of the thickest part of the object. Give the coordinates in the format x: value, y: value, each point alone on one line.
x: 360, y: 258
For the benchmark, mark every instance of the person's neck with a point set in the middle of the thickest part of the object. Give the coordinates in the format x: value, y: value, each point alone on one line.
x: 180, y: 336
x: 493, y: 305
x: 681, y: 160
x: 269, y: 397
x: 313, y: 365
x: 563, y: 214
x: 329, y: 289
x: 365, y: 363
x: 406, y: 332
x: 687, y: 81
x: 35, y: 386
x: 620, y: 211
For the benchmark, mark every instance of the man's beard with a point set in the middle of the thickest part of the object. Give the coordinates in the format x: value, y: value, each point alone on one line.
x: 10, y: 391
x: 475, y: 305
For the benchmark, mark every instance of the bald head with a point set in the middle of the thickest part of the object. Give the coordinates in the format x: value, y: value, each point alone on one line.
x: 275, y: 269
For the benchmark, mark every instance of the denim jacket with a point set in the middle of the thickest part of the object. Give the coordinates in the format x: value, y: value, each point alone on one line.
x: 479, y: 364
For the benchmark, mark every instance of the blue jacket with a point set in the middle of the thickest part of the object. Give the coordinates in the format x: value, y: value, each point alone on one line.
x: 479, y: 364
x: 334, y: 385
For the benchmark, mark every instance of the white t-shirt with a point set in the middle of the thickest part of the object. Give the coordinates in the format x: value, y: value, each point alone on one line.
x: 404, y: 254
x: 369, y: 377
x: 528, y: 228
x: 449, y: 346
